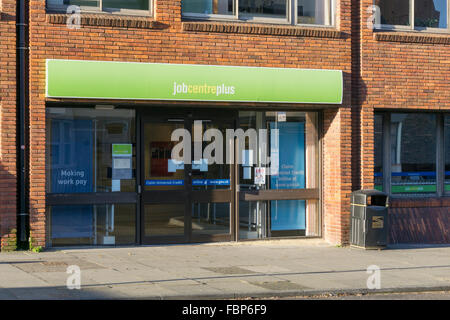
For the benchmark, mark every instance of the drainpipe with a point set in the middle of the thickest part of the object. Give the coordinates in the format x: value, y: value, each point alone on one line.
x: 22, y: 94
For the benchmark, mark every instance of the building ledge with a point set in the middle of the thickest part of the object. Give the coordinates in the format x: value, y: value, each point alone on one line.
x: 413, y: 37
x: 262, y: 29
x: 106, y: 20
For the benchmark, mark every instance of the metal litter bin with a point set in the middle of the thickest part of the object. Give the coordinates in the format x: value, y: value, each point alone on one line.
x: 369, y: 219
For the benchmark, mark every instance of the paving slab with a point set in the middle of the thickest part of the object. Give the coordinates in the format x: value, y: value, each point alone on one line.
x: 220, y: 270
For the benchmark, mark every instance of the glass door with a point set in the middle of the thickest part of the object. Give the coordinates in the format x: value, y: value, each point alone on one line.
x: 211, y: 177
x: 163, y: 195
x: 278, y: 179
x: 186, y: 199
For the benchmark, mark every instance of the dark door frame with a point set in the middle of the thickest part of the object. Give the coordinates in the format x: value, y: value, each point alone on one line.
x: 232, y: 195
x: 186, y: 196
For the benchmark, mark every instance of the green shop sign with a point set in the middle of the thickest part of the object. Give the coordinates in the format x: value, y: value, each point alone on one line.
x: 157, y: 81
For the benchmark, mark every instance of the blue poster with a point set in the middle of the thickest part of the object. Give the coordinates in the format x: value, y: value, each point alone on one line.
x: 289, y: 214
x: 71, y: 156
x: 72, y: 147
x: 72, y: 221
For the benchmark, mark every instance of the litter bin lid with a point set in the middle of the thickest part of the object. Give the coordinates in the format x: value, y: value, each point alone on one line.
x: 359, y: 197
x: 370, y: 192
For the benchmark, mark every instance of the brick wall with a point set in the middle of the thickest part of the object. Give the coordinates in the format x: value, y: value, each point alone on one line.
x: 396, y: 71
x: 404, y: 71
x: 420, y: 221
x: 7, y: 124
x: 399, y: 71
x: 167, y: 39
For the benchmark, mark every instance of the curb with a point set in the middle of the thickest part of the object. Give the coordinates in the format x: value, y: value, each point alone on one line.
x: 296, y: 293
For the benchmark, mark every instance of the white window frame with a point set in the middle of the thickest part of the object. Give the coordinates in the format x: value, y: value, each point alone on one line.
x: 101, y: 9
x: 291, y: 16
x: 411, y: 26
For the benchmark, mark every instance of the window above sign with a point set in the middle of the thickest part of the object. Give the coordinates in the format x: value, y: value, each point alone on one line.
x: 295, y: 12
x: 417, y: 15
x: 132, y: 7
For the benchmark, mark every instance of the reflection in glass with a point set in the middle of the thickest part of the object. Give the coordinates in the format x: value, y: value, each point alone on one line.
x: 210, y: 218
x: 394, y: 13
x: 109, y: 224
x: 252, y: 219
x: 300, y: 164
x: 413, y: 153
x: 164, y: 219
x: 80, y: 3
x: 314, y: 12
x: 430, y: 14
x: 210, y: 136
x: 261, y: 219
x: 298, y: 168
x: 222, y: 7
x: 109, y: 4
x: 80, y: 143
x: 447, y: 152
x: 378, y: 146
x: 161, y: 172
x: 126, y: 4
x: 288, y: 215
x: 263, y: 9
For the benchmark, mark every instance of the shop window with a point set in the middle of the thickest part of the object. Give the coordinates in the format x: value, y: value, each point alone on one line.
x: 290, y: 163
x: 160, y: 172
x: 263, y: 9
x: 419, y: 160
x: 111, y: 6
x: 413, y: 14
x: 210, y: 218
x: 214, y: 7
x: 277, y: 218
x: 307, y: 12
x: 447, y: 153
x: 413, y: 153
x: 378, y: 146
x: 164, y: 219
x: 207, y: 176
x: 90, y: 150
x: 106, y: 224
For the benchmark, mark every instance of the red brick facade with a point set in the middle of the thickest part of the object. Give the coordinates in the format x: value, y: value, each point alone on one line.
x: 404, y: 71
x: 399, y: 70
x: 378, y: 73
x: 8, y: 164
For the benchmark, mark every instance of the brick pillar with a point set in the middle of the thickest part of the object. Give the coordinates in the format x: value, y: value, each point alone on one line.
x: 337, y: 175
x: 37, y: 155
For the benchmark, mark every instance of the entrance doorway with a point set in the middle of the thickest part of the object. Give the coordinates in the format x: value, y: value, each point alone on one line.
x: 185, y: 202
x: 111, y: 178
x: 200, y: 202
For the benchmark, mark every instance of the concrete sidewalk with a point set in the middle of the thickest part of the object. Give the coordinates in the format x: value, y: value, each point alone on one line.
x: 221, y: 270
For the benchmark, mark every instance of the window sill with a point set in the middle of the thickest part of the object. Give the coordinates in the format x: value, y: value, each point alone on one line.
x: 262, y: 29
x: 106, y: 20
x: 412, y: 37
